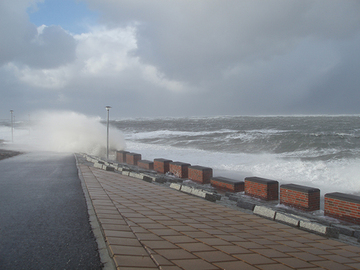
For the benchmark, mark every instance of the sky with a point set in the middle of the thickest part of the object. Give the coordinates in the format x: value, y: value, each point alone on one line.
x: 180, y: 58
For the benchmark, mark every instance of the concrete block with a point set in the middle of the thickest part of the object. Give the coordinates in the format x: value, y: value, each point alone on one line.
x: 186, y: 189
x: 160, y: 180
x: 109, y: 168
x: 147, y: 179
x: 319, y: 228
x: 245, y: 205
x: 345, y: 230
x: 264, y: 212
x: 211, y: 197
x: 136, y: 175
x: 356, y: 233
x: 98, y: 165
x: 233, y: 198
x: 198, y: 193
x: 288, y: 219
x: 126, y: 173
x: 175, y: 186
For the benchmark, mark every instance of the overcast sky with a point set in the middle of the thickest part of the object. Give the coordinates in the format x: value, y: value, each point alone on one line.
x: 179, y: 57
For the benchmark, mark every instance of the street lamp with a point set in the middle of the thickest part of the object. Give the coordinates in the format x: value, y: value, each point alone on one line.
x: 107, y: 131
x: 12, y: 125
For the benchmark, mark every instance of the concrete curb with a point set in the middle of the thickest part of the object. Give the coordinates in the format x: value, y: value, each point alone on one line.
x: 107, y: 261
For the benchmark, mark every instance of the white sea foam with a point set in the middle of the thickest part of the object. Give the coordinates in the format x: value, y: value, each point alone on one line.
x: 170, y: 133
x: 65, y: 131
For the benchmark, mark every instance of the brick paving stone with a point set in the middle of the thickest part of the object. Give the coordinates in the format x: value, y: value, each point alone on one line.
x: 197, y: 264
x: 231, y: 238
x: 338, y: 258
x: 274, y: 267
x: 214, y: 241
x: 315, y: 251
x: 233, y: 249
x: 160, y: 260
x: 246, y: 235
x: 175, y: 254
x: 165, y: 232
x: 321, y: 246
x: 293, y: 244
x: 215, y: 256
x: 249, y: 245
x: 214, y: 231
x: 128, y: 250
x: 330, y: 265
x: 123, y: 234
x: 134, y: 261
x: 199, y: 225
x: 183, y: 228
x: 282, y: 248
x: 254, y: 259
x: 193, y: 247
x: 169, y: 268
x: 294, y: 262
x: 235, y: 265
x: 180, y: 239
x: 262, y: 241
x: 354, y: 265
x: 306, y: 256
x: 345, y: 253
x: 271, y: 253
x: 274, y: 238
x: 162, y: 244
x: 171, y: 223
x: 138, y: 229
x: 352, y: 248
x: 132, y: 214
x: 114, y: 227
x: 198, y: 234
x: 123, y: 241
x: 332, y: 242
x: 148, y: 236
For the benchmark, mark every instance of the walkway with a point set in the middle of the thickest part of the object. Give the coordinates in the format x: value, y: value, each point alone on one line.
x: 147, y: 226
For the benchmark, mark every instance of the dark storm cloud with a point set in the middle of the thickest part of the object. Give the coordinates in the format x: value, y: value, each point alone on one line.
x: 198, y: 40
x: 183, y: 58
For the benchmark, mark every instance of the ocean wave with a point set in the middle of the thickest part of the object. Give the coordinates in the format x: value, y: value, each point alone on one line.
x: 171, y: 134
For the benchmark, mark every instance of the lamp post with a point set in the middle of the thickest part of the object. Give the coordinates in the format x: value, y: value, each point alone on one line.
x: 107, y: 131
x: 12, y: 125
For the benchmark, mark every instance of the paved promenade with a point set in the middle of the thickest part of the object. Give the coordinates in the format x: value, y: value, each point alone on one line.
x: 147, y: 226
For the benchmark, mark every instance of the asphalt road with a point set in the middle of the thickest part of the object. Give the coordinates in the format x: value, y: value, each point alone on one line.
x: 44, y: 222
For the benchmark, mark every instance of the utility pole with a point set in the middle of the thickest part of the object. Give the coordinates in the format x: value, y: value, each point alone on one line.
x: 107, y: 131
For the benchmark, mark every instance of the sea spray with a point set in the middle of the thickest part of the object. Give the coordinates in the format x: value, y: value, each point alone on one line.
x: 66, y: 131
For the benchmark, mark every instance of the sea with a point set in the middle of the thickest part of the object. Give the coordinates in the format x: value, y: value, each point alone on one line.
x: 316, y: 151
